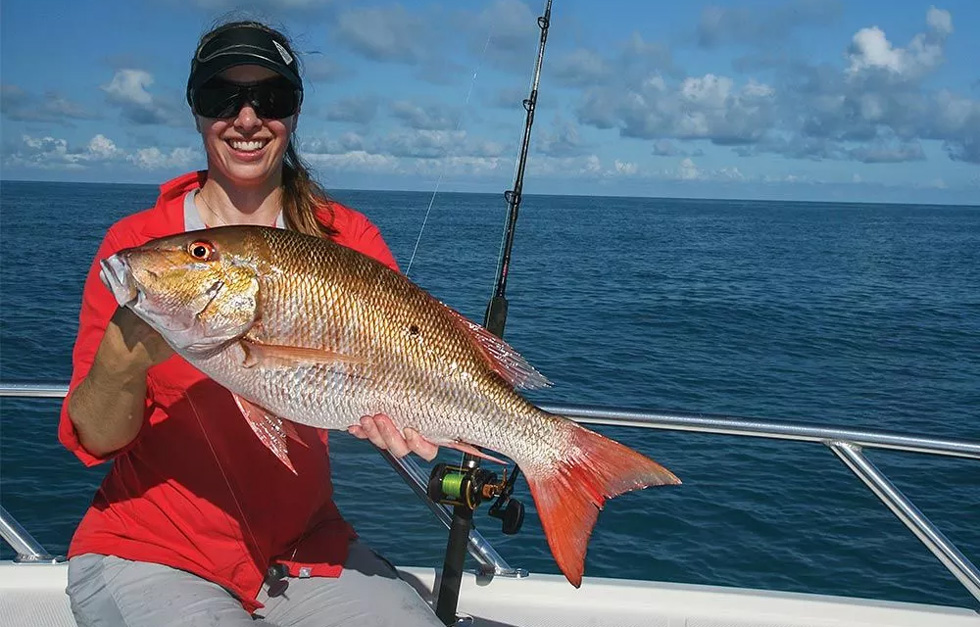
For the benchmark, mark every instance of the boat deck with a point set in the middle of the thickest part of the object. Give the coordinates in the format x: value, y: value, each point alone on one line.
x: 33, y: 595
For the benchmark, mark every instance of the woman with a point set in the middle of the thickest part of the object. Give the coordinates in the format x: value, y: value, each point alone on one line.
x: 197, y: 522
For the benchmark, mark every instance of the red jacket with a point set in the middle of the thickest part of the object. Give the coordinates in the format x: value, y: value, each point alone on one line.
x: 167, y: 499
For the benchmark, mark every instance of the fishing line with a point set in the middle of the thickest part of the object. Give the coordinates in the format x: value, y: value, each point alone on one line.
x: 442, y: 171
x: 224, y: 476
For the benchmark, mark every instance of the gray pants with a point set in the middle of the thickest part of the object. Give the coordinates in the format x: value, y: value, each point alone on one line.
x: 108, y: 591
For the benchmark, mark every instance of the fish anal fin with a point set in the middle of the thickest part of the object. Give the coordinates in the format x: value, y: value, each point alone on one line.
x: 502, y: 357
x: 569, y: 494
x: 260, y: 353
x: 251, y: 409
x: 271, y: 430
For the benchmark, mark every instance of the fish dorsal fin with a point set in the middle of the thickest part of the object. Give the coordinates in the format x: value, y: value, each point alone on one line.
x: 271, y: 430
x: 505, y: 361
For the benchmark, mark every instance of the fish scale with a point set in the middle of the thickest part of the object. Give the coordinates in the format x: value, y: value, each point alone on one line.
x: 304, y: 330
x: 433, y: 380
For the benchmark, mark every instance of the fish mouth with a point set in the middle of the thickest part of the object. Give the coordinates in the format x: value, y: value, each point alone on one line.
x: 117, y: 276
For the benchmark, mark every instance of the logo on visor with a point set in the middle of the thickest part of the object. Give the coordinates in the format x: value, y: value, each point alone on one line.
x: 288, y: 58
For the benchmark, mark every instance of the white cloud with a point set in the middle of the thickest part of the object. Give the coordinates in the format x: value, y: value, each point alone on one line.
x: 408, y: 152
x: 667, y: 148
x: 376, y: 163
x: 324, y: 145
x: 155, y: 159
x: 512, y: 32
x: 357, y: 109
x: 101, y: 147
x: 19, y: 105
x: 939, y: 21
x: 432, y: 117
x: 320, y: 68
x: 129, y: 90
x: 560, y: 140
x: 740, y: 25
x: 888, y: 153
x: 52, y: 153
x: 270, y: 5
x: 870, y: 49
x: 593, y: 168
x: 44, y: 153
x: 708, y: 107
x: 129, y: 86
x: 730, y: 174
x: 634, y: 62
x: 874, y: 107
x: 582, y: 67
x: 626, y: 168
x: 688, y: 171
x: 434, y: 144
x: 385, y: 34
x: 355, y: 160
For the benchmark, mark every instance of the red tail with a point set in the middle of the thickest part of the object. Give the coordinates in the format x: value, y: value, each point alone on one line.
x: 570, y: 495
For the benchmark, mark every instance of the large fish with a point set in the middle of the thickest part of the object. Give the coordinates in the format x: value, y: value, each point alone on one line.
x: 303, y: 329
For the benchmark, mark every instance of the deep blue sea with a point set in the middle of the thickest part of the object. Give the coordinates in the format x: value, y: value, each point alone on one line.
x: 833, y: 314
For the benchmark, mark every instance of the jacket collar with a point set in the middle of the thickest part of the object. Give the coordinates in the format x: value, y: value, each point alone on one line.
x: 167, y: 216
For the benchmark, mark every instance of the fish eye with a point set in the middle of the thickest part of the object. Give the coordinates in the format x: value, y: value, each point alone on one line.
x: 201, y: 250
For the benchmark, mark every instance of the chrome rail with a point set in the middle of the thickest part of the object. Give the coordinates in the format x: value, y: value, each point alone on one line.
x: 770, y: 429
x: 33, y: 390
x: 23, y: 543
x: 909, y: 514
x: 846, y: 443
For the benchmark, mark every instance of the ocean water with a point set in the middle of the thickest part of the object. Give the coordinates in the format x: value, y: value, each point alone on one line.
x: 833, y: 314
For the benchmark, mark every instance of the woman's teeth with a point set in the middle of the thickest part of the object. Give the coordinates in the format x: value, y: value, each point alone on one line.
x: 249, y: 146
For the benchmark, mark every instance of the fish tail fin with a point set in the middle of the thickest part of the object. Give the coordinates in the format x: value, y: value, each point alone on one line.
x: 569, y: 494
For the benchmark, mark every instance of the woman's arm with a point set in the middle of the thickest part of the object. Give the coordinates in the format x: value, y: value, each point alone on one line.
x: 107, y: 398
x: 108, y: 405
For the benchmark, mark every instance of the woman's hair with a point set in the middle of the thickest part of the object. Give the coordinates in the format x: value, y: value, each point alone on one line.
x: 302, y: 197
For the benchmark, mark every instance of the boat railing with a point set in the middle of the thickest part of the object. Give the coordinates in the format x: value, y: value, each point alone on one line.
x: 847, y: 444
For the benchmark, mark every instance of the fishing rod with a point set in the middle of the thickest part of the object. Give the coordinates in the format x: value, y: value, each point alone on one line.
x: 467, y: 485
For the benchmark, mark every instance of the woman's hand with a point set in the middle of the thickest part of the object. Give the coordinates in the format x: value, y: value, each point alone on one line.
x: 136, y: 342
x: 108, y: 405
x: 381, y: 431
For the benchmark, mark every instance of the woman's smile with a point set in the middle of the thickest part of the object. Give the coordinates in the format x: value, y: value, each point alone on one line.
x: 247, y: 150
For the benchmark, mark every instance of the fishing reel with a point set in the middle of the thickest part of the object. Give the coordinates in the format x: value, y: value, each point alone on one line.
x: 469, y: 487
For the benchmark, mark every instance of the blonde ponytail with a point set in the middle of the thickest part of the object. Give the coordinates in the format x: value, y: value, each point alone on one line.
x: 303, y: 198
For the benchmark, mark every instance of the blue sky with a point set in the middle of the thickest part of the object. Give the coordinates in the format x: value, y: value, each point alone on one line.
x: 790, y: 99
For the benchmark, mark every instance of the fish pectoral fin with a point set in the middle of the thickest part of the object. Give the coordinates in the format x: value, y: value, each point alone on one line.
x: 271, y: 430
x: 472, y: 450
x: 257, y: 353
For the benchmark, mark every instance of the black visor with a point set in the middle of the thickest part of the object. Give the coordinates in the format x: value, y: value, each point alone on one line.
x: 241, y: 45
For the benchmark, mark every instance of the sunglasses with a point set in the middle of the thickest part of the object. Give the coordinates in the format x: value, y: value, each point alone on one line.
x: 273, y: 99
